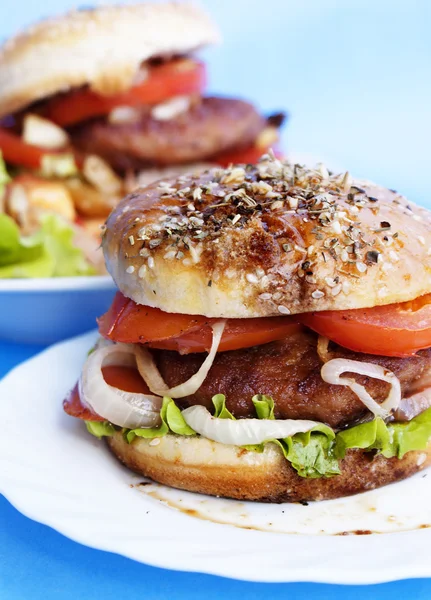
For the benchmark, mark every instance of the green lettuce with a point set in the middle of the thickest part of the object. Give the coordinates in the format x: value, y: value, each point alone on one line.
x: 48, y: 253
x: 172, y: 421
x: 390, y: 440
x: 100, y: 428
x: 316, y: 453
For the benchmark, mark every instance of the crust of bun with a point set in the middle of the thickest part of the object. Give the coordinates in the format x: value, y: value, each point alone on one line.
x: 101, y: 47
x: 200, y: 465
x: 262, y: 241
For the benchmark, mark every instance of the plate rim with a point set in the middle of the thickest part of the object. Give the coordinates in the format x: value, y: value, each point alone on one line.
x: 57, y: 284
x: 12, y: 490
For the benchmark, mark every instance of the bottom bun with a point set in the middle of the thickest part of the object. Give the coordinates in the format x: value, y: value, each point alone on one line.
x: 207, y: 467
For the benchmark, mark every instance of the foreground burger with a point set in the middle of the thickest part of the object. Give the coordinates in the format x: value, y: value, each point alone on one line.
x: 310, y: 294
x: 97, y: 100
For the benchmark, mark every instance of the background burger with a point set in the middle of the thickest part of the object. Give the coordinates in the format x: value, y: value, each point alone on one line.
x: 96, y: 101
x: 310, y: 294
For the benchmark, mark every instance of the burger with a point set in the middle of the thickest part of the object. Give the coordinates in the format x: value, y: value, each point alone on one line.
x: 97, y: 101
x: 271, y: 336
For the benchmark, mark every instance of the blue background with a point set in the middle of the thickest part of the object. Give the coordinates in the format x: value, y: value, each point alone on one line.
x: 355, y: 77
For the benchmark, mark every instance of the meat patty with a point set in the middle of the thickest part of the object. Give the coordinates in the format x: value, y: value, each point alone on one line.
x: 210, y: 127
x: 289, y: 372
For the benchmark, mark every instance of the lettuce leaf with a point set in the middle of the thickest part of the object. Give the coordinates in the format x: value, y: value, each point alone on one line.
x: 100, y: 428
x: 172, y: 420
x: 316, y: 453
x: 392, y: 439
x: 48, y: 253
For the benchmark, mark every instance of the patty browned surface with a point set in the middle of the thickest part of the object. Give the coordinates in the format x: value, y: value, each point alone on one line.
x: 289, y: 372
x: 210, y: 127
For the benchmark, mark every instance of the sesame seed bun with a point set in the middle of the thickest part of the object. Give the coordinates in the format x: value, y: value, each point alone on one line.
x: 200, y: 465
x: 262, y: 241
x: 102, y: 47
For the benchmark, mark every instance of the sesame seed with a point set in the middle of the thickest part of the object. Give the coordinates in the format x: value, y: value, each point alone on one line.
x: 144, y: 252
x: 130, y: 269
x: 421, y: 240
x: 154, y: 243
x: 330, y: 282
x: 346, y: 287
x: 142, y: 271
x: 382, y: 292
x: 170, y: 255
x: 317, y: 294
x: 393, y: 256
x: 293, y: 203
x: 344, y: 256
x: 150, y: 262
x: 131, y: 240
x: 251, y: 278
x: 235, y: 175
x: 362, y: 267
x: 265, y: 296
x: 260, y: 272
x: 154, y: 442
x: 323, y: 171
x: 276, y: 205
x: 191, y: 206
x: 197, y: 193
x: 236, y: 219
x: 346, y: 182
x: 336, y: 227
x: 336, y: 289
x: 283, y: 310
x: 310, y: 250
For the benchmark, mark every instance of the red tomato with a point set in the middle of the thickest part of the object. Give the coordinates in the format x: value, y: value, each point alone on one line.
x: 392, y: 330
x: 15, y: 151
x: 123, y: 378
x: 128, y: 322
x: 238, y: 333
x: 175, y: 78
x: 247, y: 156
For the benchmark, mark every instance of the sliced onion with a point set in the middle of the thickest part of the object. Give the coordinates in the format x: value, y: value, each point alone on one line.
x: 331, y: 373
x: 150, y: 373
x: 244, y: 431
x: 413, y: 406
x: 121, y: 408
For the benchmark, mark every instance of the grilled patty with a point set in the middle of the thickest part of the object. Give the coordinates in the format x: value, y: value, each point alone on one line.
x: 210, y: 127
x: 289, y: 372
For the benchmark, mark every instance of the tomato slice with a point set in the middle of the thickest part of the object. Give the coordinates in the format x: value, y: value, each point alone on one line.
x: 238, y: 333
x: 175, y: 78
x: 248, y: 156
x: 128, y: 322
x: 15, y: 151
x: 392, y: 330
x: 123, y: 378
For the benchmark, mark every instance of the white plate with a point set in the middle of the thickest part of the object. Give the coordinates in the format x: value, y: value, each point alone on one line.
x: 56, y: 473
x: 44, y: 311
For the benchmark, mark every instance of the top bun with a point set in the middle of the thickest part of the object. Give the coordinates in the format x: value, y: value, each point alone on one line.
x: 265, y: 240
x: 102, y: 47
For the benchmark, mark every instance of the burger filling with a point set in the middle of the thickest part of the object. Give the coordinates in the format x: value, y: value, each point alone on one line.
x: 73, y: 156
x: 315, y: 385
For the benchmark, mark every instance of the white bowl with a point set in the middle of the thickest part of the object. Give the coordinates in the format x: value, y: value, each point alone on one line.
x: 44, y: 311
